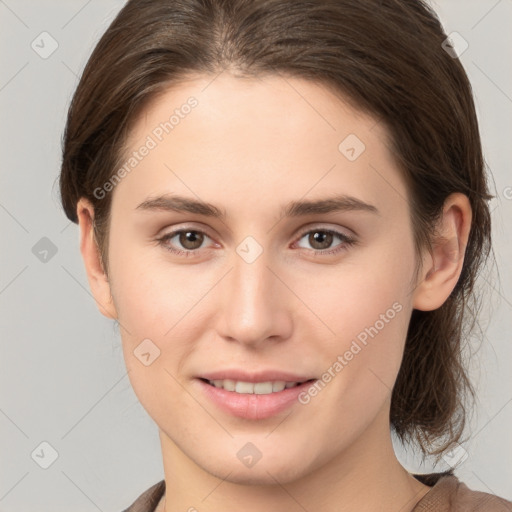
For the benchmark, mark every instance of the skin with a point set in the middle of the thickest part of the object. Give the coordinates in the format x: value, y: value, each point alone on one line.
x: 249, y: 147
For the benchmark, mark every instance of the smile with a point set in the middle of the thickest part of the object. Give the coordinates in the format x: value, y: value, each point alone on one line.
x: 257, y: 388
x: 252, y: 400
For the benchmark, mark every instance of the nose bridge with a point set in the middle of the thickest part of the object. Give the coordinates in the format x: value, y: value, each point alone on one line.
x: 252, y: 308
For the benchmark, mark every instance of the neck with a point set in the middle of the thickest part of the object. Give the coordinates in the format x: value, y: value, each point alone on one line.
x: 366, y: 476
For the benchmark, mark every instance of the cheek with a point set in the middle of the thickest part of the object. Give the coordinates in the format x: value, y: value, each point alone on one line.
x: 153, y: 316
x: 359, y: 294
x: 152, y: 295
x: 361, y: 362
x: 159, y: 310
x: 367, y: 308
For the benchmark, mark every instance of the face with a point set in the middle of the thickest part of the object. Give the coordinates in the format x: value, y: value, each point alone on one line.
x: 293, y: 279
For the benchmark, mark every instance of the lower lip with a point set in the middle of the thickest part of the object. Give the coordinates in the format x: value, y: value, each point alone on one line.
x: 251, y: 406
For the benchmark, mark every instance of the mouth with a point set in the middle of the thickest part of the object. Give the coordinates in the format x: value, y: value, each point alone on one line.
x: 252, y: 400
x: 256, y: 388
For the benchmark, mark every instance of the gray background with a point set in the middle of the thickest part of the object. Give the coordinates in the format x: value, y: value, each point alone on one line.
x: 62, y: 377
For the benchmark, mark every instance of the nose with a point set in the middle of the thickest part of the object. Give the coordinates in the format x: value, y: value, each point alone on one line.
x: 255, y: 305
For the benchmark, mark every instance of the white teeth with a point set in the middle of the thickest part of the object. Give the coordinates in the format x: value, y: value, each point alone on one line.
x: 244, y: 387
x: 229, y: 385
x: 257, y: 388
x: 279, y: 385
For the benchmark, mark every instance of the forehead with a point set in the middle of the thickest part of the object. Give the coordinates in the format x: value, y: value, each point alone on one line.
x: 225, y: 136
x: 274, y: 104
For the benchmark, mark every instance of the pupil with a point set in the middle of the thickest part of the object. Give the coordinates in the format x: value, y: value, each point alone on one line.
x: 323, y: 238
x: 189, y: 240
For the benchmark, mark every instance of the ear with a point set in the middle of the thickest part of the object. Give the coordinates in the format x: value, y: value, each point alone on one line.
x: 441, y: 270
x: 98, y: 281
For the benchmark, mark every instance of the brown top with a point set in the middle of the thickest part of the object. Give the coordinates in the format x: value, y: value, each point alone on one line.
x: 448, y: 494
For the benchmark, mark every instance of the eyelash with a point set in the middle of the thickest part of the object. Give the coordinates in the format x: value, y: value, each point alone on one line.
x: 347, y: 241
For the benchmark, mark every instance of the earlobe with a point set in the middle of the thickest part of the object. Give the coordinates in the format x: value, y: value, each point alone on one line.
x: 98, y: 280
x: 443, y: 267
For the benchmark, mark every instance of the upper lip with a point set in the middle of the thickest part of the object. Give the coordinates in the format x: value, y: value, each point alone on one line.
x: 260, y: 376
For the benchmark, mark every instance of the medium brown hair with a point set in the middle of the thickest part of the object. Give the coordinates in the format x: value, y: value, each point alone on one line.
x: 383, y: 56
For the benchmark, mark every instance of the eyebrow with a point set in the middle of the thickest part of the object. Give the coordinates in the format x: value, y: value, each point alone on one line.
x: 340, y: 203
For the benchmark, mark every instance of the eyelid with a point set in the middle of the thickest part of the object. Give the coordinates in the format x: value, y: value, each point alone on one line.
x: 323, y: 227
x: 185, y: 227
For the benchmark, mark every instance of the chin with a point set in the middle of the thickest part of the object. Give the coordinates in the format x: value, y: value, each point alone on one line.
x: 264, y: 472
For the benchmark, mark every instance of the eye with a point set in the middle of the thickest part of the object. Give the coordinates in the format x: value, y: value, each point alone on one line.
x: 321, y: 240
x: 189, y: 239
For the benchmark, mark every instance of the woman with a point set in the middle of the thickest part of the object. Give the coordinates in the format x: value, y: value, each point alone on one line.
x: 284, y: 206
